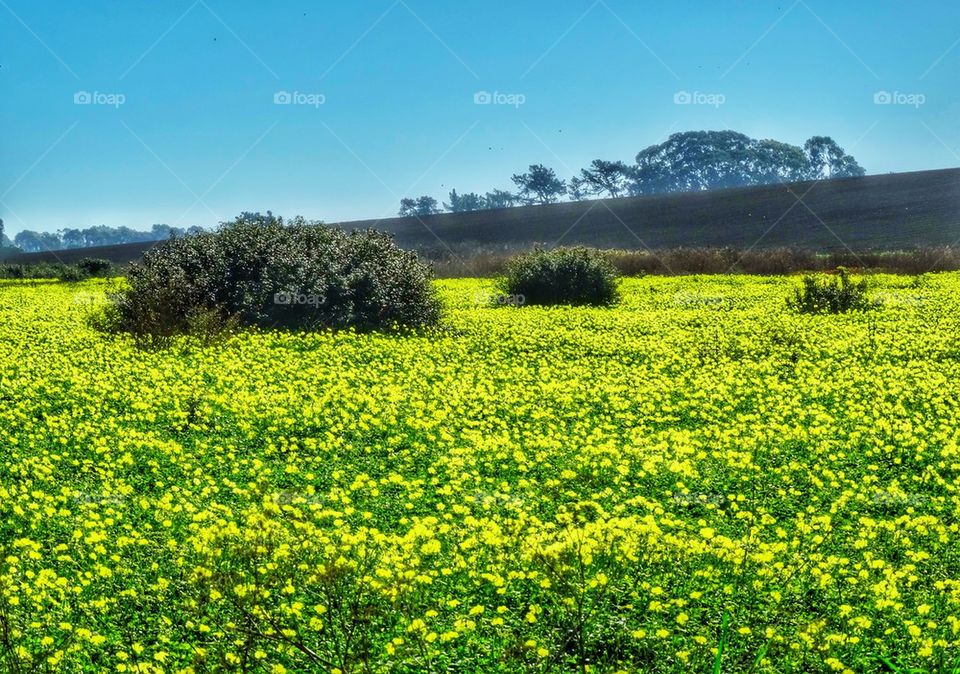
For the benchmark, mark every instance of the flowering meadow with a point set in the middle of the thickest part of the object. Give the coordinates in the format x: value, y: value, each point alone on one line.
x: 697, y: 480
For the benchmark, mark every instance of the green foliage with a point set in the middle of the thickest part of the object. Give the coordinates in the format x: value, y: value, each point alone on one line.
x: 573, y: 276
x: 72, y: 274
x: 92, y: 266
x: 84, y: 269
x: 831, y: 296
x: 706, y: 160
x: 464, y: 203
x: 539, y: 185
x: 420, y: 206
x: 672, y: 485
x: 259, y: 271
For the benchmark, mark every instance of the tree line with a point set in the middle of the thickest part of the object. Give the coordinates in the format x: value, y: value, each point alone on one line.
x: 688, y: 161
x: 99, y: 235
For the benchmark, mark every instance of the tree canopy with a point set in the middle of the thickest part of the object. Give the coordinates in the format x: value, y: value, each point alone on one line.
x: 705, y: 160
x: 99, y: 235
x: 687, y: 161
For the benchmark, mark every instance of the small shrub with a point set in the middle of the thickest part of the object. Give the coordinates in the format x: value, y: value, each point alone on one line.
x: 72, y: 274
x: 92, y: 266
x: 572, y: 276
x: 12, y: 271
x: 831, y: 295
x: 260, y: 271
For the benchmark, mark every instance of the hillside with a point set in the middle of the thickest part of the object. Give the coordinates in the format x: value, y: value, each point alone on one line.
x: 884, y: 212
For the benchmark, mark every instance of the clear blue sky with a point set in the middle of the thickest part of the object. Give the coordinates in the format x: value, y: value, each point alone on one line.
x: 199, y: 138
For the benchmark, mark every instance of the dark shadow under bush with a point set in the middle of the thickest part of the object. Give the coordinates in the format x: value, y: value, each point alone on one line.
x: 259, y: 271
x: 571, y: 276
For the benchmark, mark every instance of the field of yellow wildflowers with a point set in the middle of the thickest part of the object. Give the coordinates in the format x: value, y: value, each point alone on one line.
x: 696, y: 480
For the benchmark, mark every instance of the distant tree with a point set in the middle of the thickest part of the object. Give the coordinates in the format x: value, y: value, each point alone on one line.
x: 103, y: 235
x: 72, y: 238
x: 828, y: 160
x: 5, y: 241
x: 255, y: 218
x: 36, y: 242
x: 27, y: 240
x: 780, y: 162
x: 577, y: 189
x: 163, y: 232
x: 419, y: 207
x: 701, y: 160
x: 499, y: 199
x: 611, y: 178
x: 539, y: 185
x: 462, y: 203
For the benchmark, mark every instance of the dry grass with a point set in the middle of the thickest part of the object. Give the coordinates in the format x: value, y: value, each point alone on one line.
x: 480, y: 262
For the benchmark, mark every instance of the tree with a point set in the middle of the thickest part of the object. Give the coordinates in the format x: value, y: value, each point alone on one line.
x: 462, y: 203
x: 703, y: 160
x: 419, y: 207
x: 539, y: 185
x: 104, y: 235
x: 828, y: 160
x: 499, y: 199
x: 781, y: 162
x: 72, y: 238
x: 577, y: 189
x: 606, y: 177
x: 36, y: 242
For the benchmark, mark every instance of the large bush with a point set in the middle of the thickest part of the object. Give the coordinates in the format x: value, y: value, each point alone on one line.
x: 831, y: 296
x: 260, y: 271
x: 574, y: 276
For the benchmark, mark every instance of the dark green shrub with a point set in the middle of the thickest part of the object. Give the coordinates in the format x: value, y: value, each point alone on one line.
x: 831, y: 295
x: 572, y: 276
x: 92, y: 266
x: 72, y: 274
x: 260, y: 271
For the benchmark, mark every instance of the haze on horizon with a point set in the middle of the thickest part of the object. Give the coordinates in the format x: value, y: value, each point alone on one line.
x: 194, y: 110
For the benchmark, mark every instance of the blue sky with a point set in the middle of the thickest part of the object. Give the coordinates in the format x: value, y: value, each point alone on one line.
x: 182, y: 126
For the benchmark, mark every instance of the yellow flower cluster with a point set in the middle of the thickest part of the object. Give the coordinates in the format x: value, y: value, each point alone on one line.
x: 697, y: 476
